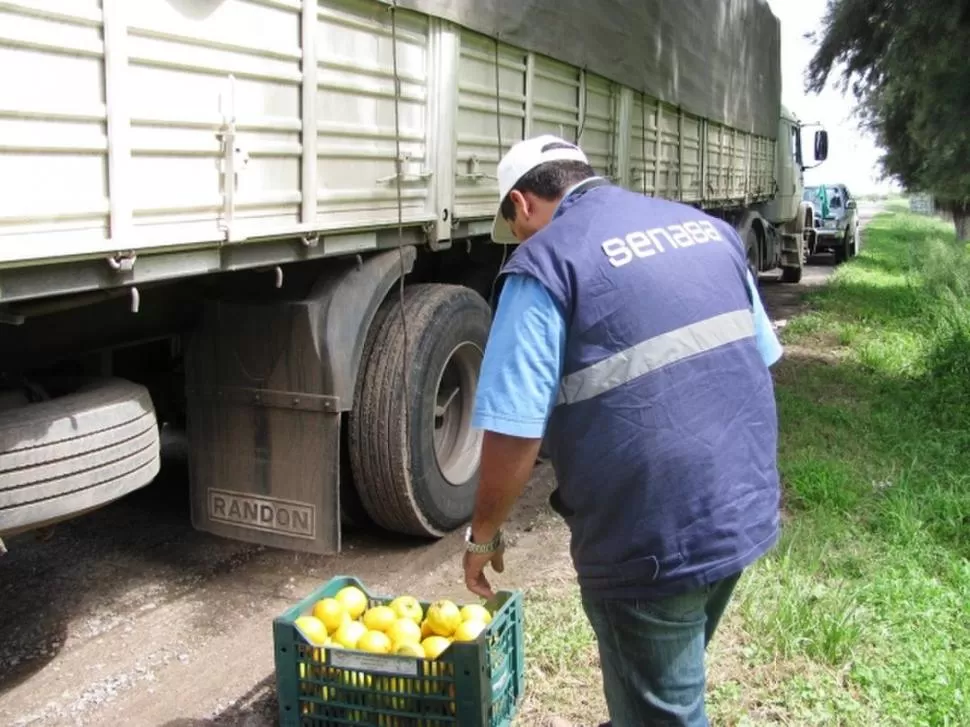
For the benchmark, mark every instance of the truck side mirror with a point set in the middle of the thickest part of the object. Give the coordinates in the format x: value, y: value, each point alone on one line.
x: 821, y: 145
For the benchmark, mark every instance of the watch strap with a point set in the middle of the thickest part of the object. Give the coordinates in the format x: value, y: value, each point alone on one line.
x: 483, y: 548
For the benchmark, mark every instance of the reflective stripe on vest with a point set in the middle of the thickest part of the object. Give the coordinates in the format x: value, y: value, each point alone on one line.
x: 655, y: 353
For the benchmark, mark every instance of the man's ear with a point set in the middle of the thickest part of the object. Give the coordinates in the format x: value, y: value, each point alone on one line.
x: 521, y: 203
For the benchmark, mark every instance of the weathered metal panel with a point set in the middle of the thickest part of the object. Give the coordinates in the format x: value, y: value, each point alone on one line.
x: 221, y: 128
x: 53, y: 129
x: 599, y: 124
x: 556, y: 105
x: 197, y: 73
x: 356, y: 115
x: 487, y: 119
x: 761, y: 180
x: 191, y: 80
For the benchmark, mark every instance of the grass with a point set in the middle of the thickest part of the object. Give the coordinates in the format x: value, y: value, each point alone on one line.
x: 562, y: 664
x: 871, y: 584
x: 861, y: 616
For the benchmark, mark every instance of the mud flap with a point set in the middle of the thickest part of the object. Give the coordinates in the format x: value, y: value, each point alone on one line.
x: 266, y: 385
x: 263, y: 441
x: 792, y: 250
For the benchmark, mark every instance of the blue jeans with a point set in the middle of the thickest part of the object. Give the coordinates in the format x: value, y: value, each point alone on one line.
x: 652, y: 654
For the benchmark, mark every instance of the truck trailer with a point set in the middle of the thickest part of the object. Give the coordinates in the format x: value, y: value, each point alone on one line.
x: 266, y: 222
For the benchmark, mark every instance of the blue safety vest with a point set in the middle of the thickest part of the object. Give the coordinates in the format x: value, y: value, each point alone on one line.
x: 664, y: 435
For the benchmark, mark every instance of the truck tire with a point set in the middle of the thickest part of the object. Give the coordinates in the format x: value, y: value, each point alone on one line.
x: 841, y: 252
x: 352, y: 513
x: 809, y: 250
x: 752, y: 247
x: 67, y: 455
x: 423, y: 484
x: 791, y: 275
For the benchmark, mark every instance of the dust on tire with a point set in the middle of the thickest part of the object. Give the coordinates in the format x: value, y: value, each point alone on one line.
x: 397, y: 476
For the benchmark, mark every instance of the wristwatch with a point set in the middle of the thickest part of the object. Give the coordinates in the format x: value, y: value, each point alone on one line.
x: 483, y: 548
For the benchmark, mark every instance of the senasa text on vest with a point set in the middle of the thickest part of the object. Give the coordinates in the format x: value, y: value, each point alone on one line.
x: 644, y: 244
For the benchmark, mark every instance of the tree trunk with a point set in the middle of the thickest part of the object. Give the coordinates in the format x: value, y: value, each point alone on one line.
x: 959, y: 212
x: 961, y: 220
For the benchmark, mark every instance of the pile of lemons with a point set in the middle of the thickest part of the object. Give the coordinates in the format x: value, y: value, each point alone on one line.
x: 400, y: 627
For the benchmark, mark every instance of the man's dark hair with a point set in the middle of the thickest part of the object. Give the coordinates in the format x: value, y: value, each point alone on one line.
x: 548, y: 181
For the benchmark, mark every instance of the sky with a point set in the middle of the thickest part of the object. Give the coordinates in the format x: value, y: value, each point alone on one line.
x: 852, y: 154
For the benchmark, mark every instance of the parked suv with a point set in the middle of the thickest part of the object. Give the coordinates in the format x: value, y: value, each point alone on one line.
x: 836, y: 220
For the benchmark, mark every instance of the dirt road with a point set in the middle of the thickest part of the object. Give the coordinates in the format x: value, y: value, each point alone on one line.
x: 784, y: 301
x: 129, y: 617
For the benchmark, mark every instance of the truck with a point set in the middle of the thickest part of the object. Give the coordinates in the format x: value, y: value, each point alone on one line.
x: 836, y: 214
x: 266, y: 223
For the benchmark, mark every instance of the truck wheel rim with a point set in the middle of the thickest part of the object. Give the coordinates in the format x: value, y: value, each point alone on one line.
x: 457, y: 446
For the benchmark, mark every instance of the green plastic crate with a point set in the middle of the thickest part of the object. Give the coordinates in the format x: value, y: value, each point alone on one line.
x: 474, y: 684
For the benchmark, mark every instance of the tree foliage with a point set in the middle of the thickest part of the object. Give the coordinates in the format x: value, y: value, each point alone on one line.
x: 908, y: 64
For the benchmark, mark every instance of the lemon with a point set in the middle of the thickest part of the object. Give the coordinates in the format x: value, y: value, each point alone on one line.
x: 443, y: 618
x: 349, y: 633
x: 469, y: 630
x: 331, y: 612
x: 398, y: 703
x: 353, y: 600
x: 379, y: 618
x: 374, y: 642
x: 313, y: 629
x: 404, y: 630
x: 357, y: 679
x: 426, y: 629
x: 474, y: 612
x: 312, y: 670
x: 434, y: 645
x: 409, y: 649
x: 408, y: 607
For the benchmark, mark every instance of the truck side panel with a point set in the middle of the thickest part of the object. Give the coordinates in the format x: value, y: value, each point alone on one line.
x: 169, y: 125
x: 211, y: 91
x: 54, y: 197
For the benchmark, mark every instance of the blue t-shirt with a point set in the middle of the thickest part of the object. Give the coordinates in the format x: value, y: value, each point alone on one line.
x: 519, y: 379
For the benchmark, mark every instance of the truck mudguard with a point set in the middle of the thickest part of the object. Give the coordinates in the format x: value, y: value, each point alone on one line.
x: 266, y: 384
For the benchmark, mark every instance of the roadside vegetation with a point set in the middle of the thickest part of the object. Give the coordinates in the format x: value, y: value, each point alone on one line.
x: 862, y: 615
x: 916, y: 112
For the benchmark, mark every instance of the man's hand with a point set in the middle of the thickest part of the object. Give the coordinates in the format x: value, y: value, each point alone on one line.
x: 475, y: 563
x: 507, y: 463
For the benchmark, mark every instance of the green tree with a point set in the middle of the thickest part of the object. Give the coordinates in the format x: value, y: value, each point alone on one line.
x: 908, y: 64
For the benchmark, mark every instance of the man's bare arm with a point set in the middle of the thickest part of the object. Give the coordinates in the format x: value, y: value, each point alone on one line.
x: 507, y: 464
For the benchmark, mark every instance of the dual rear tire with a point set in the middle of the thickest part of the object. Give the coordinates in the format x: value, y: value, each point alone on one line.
x: 414, y: 455
x: 752, y: 244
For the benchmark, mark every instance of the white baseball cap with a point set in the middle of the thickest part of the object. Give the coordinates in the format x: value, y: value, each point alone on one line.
x: 522, y: 158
